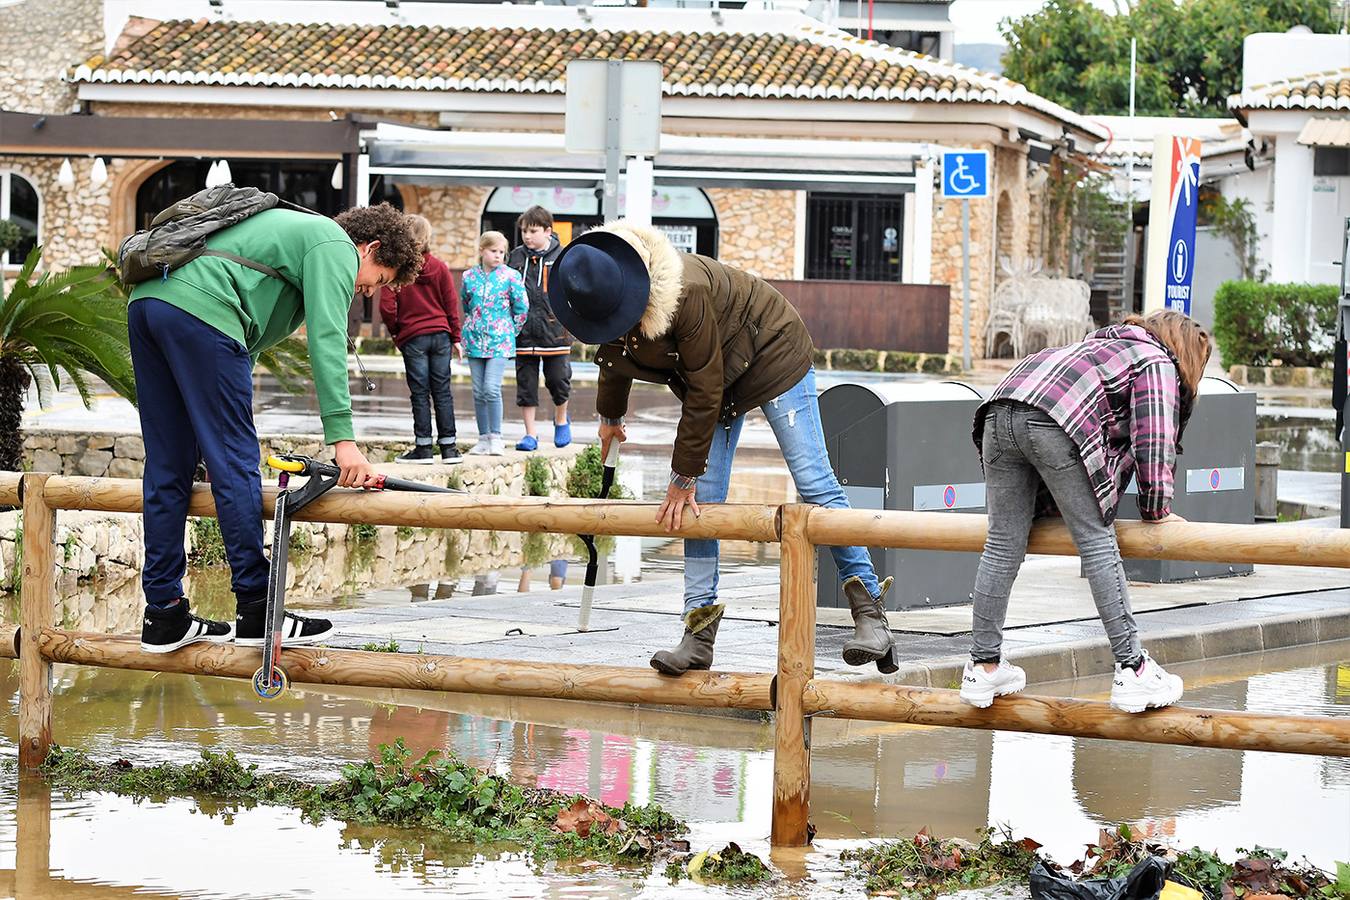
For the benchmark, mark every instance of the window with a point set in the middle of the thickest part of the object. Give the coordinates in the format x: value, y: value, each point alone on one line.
x: 19, y: 204
x: 853, y: 238
x: 304, y: 182
x: 1331, y: 161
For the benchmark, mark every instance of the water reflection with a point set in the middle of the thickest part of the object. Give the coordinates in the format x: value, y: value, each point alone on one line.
x: 869, y: 780
x: 1308, y: 445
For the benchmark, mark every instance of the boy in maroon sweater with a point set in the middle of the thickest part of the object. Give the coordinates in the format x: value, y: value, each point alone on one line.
x: 424, y: 319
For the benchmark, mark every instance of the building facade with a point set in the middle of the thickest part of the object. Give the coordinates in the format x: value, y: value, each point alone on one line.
x: 789, y: 149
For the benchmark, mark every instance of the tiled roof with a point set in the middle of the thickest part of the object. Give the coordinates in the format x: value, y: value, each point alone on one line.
x: 801, y: 60
x: 1317, y: 90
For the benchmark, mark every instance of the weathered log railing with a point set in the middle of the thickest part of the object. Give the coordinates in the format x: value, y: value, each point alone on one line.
x: 793, y: 693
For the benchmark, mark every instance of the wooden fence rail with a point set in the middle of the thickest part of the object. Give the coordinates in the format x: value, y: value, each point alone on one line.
x: 792, y: 693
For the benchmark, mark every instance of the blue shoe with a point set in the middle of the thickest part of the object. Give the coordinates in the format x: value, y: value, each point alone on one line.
x: 562, y: 434
x: 528, y: 442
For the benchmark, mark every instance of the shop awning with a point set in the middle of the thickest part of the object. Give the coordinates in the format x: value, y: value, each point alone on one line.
x: 1326, y: 133
x: 406, y: 155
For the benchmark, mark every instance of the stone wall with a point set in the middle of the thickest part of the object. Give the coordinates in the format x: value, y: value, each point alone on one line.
x: 108, y: 548
x: 74, y: 223
x: 39, y: 39
x: 455, y: 214
x: 755, y: 230
x: 121, y: 455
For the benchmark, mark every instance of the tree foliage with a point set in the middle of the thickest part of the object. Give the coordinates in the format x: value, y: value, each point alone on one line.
x: 1189, y: 51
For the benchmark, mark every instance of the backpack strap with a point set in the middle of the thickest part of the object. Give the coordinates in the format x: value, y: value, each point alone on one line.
x: 255, y: 266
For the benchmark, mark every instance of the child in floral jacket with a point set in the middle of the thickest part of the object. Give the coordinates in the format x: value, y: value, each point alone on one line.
x: 495, y: 305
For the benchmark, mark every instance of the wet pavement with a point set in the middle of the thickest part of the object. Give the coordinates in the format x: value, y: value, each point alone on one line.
x: 869, y: 780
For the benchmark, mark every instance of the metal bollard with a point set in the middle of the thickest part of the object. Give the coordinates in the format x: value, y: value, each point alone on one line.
x: 1267, y: 481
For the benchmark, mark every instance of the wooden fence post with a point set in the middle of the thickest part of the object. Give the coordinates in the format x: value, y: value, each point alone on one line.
x: 796, y: 666
x: 37, y: 603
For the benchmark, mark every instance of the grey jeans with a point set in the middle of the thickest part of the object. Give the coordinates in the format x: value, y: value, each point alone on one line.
x: 1023, y: 446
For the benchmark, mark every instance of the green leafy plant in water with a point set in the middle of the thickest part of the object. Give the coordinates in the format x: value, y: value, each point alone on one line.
x: 730, y: 865
x: 435, y: 791
x: 583, y: 480
x: 538, y: 480
x: 926, y: 867
x: 208, y: 547
x: 389, y: 646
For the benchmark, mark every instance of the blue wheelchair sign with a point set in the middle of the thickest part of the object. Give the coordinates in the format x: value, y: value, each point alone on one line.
x: 965, y: 174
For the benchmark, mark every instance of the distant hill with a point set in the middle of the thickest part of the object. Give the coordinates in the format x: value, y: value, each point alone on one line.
x: 986, y: 57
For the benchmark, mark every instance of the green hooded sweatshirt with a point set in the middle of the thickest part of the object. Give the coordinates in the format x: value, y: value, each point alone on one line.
x: 318, y: 264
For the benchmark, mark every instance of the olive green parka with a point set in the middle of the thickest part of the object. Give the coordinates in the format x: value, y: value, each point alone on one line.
x: 724, y: 341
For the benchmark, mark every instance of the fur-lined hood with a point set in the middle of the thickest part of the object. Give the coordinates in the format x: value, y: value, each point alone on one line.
x: 664, y: 267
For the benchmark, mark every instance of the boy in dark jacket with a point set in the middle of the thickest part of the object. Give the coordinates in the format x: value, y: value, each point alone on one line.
x: 424, y: 319
x: 194, y: 336
x: 543, y: 341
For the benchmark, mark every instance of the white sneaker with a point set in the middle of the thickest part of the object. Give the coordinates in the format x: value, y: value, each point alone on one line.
x: 483, y: 447
x: 494, y: 445
x: 1134, y: 692
x: 979, y: 688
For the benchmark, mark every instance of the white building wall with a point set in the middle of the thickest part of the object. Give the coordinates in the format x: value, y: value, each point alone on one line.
x: 1257, y: 189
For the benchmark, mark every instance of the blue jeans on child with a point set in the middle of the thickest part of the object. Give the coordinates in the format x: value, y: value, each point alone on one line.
x: 194, y: 385
x: 794, y: 417
x: 426, y: 359
x: 487, y: 392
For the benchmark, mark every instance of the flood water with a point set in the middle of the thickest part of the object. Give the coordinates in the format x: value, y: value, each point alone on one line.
x: 869, y: 780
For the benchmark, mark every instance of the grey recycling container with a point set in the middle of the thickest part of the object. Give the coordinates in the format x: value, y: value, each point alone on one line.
x: 908, y: 447
x: 1215, y: 479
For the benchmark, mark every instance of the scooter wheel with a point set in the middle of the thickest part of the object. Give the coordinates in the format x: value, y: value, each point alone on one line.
x: 266, y: 688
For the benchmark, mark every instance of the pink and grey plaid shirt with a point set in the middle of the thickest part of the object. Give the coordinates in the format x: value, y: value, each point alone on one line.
x: 1117, y: 395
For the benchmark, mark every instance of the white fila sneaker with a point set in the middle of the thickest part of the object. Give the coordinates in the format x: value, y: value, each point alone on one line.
x: 1151, y: 686
x: 979, y: 688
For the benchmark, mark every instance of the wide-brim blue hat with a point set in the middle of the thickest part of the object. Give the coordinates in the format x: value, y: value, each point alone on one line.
x: 599, y: 287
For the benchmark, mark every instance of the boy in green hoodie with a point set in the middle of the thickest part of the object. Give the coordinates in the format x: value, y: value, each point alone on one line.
x: 195, y: 335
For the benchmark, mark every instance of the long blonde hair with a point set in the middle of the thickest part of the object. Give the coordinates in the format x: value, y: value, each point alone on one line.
x: 1190, y: 345
x: 1188, y: 341
x: 420, y: 229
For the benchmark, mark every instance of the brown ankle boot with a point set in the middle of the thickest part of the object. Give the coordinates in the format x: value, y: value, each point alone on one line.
x: 695, y: 649
x: 872, y: 638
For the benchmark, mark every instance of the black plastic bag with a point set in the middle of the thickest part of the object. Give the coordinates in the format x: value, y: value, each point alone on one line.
x: 1144, y: 882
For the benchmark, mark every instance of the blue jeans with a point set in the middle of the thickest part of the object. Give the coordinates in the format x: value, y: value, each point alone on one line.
x: 487, y: 392
x: 426, y: 360
x: 795, y: 419
x: 194, y: 385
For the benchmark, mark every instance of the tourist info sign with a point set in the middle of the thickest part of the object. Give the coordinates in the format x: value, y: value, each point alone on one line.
x: 1169, y: 266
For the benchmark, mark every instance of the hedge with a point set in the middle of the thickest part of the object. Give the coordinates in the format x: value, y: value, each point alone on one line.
x: 1259, y: 324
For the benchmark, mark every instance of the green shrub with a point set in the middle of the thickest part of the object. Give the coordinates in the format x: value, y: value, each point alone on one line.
x: 820, y: 358
x: 1267, y: 324
x: 860, y: 360
x: 582, y: 352
x: 901, y: 361
x: 362, y: 533
x: 10, y: 235
x: 208, y: 547
x: 584, y: 478
x: 379, y: 346
x: 933, y: 364
x: 538, y: 480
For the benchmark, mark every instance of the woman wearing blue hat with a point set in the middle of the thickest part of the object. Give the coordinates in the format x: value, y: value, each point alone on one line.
x: 725, y: 342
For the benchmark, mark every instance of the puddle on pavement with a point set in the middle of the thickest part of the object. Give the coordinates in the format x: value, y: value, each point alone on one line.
x: 869, y: 780
x: 1306, y: 444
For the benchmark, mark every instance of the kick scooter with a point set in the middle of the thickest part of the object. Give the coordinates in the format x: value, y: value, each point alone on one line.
x: 321, y: 478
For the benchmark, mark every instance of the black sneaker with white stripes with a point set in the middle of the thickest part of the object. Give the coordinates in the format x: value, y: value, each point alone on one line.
x: 250, y: 625
x: 165, y: 630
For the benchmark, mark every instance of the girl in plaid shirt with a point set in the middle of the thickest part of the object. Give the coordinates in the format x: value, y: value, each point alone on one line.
x: 1067, y: 430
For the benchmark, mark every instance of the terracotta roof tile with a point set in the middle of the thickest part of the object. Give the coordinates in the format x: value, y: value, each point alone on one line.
x: 1316, y: 90
x: 718, y: 63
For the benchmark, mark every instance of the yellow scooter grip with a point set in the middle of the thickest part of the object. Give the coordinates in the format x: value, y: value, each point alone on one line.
x: 285, y: 465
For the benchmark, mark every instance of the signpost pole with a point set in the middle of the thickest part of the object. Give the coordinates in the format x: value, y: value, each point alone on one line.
x: 965, y: 285
x: 613, y: 121
x: 1341, y: 388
